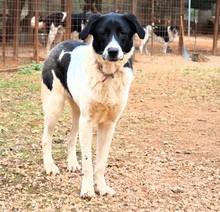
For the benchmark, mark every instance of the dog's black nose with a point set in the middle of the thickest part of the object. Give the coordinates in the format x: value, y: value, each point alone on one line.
x: 113, y: 52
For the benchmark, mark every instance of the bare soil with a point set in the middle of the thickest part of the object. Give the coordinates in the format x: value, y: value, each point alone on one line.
x: 165, y: 155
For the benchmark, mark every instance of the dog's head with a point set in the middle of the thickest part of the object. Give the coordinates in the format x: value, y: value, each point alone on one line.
x: 112, y: 34
x: 172, y: 32
x: 41, y: 23
x: 173, y: 29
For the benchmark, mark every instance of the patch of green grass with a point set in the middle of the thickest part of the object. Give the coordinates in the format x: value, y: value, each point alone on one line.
x: 7, y: 84
x: 29, y: 69
x: 2, y: 150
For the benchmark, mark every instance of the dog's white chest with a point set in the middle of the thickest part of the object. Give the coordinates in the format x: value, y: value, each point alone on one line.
x: 84, y: 80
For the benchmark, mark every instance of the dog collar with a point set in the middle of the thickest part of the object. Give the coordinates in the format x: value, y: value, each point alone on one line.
x: 112, y: 75
x: 105, y: 75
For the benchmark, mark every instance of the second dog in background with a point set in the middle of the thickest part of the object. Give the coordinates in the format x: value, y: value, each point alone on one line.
x: 161, y: 34
x: 55, y: 23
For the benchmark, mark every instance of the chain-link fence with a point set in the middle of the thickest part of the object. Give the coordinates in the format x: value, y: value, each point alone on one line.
x: 29, y: 28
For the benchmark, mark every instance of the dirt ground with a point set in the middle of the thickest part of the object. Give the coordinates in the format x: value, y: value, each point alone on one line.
x: 165, y: 155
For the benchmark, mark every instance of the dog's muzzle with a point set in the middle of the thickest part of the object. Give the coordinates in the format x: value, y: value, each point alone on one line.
x: 112, y: 54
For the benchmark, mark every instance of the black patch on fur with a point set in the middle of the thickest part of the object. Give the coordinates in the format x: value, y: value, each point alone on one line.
x: 161, y: 31
x: 129, y: 64
x: 76, y: 20
x: 59, y: 67
x: 54, y: 18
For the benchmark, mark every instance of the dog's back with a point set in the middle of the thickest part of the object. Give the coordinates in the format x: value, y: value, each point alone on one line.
x: 57, y: 64
x: 57, y: 19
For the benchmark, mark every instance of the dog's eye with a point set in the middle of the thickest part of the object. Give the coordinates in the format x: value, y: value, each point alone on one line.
x: 122, y: 34
x: 103, y: 34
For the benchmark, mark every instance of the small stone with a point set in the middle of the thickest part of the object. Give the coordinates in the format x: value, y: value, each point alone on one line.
x: 176, y: 190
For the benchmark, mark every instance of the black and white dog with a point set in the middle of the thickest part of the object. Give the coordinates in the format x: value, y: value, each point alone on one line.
x: 161, y: 34
x: 55, y: 21
x: 95, y: 80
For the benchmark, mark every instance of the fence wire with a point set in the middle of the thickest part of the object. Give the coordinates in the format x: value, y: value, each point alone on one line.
x: 23, y: 41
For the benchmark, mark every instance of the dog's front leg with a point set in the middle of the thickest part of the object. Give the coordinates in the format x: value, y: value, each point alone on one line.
x: 141, y: 47
x: 85, y: 137
x: 51, y: 36
x: 104, y: 138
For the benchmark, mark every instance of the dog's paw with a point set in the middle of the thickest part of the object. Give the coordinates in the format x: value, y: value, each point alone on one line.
x: 51, y: 169
x: 87, y: 193
x: 104, y: 190
x: 73, y: 166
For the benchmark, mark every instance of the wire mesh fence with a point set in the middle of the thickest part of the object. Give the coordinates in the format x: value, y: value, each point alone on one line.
x: 30, y: 28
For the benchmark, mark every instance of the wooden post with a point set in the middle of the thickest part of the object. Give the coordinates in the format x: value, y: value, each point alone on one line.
x: 68, y: 18
x: 181, y: 33
x: 4, y: 32
x: 134, y: 7
x: 16, y: 27
x: 215, y: 33
x: 115, y: 4
x: 36, y: 38
x: 62, y: 2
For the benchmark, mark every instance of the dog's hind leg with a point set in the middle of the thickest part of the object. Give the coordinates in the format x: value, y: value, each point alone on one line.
x: 53, y: 103
x: 165, y: 47
x: 73, y: 164
x: 143, y: 46
x: 104, y: 138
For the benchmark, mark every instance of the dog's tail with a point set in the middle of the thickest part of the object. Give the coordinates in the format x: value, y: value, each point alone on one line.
x: 41, y: 23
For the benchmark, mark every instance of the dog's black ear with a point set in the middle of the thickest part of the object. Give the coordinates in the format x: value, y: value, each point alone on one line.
x: 138, y: 28
x: 86, y: 31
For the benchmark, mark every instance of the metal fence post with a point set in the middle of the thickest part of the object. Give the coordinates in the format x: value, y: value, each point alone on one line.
x: 216, y: 26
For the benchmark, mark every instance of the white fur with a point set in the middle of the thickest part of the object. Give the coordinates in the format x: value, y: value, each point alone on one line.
x: 51, y: 37
x: 64, y: 17
x: 40, y: 24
